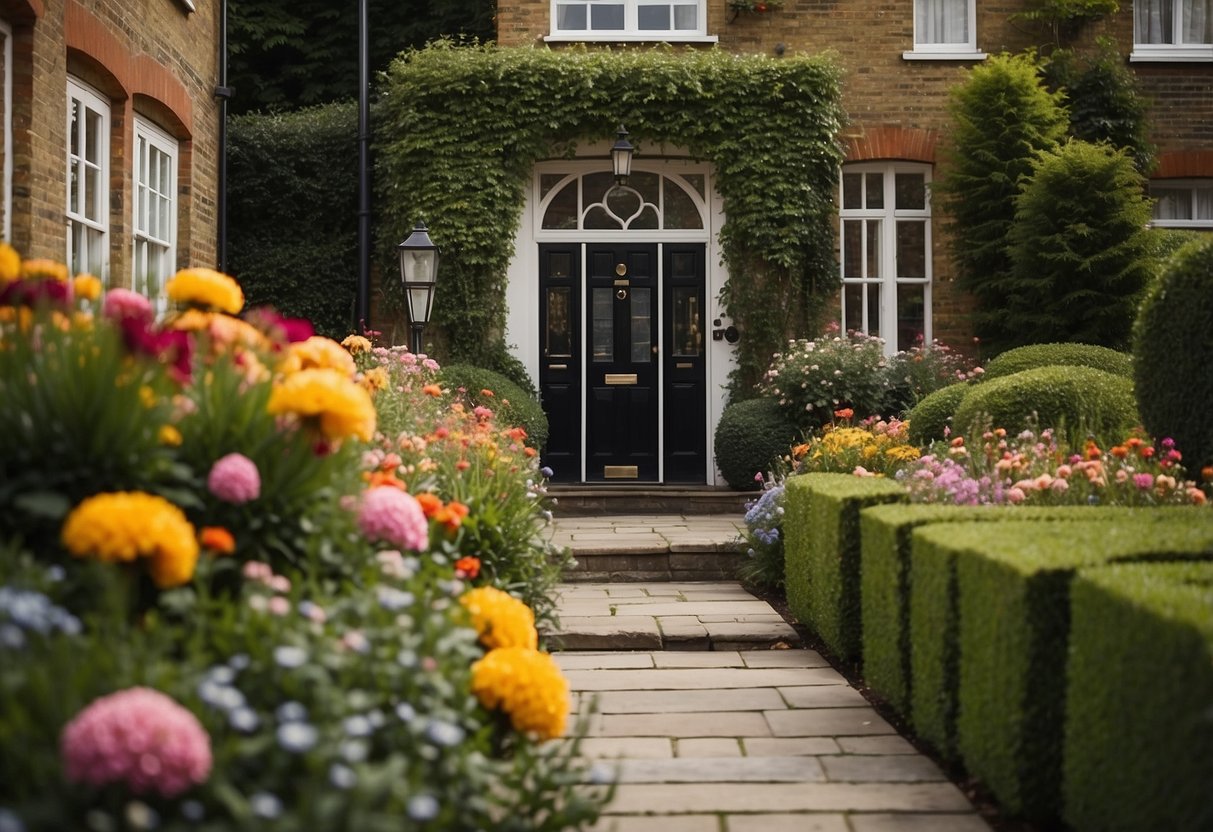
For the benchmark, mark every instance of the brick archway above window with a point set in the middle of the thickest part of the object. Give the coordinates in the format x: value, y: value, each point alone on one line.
x: 1184, y: 164
x: 911, y: 144
x: 88, y: 37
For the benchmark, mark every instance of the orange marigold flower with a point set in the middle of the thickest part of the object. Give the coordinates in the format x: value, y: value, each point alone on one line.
x: 800, y: 450
x: 1206, y: 473
x: 1133, y: 442
x: 462, y: 465
x: 1119, y: 451
x: 844, y: 413
x: 1147, y: 451
x: 529, y: 451
x: 432, y: 390
x: 376, y: 478
x: 517, y: 434
x: 958, y: 442
x: 430, y: 504
x: 218, y: 539
x: 487, y: 393
x: 469, y: 566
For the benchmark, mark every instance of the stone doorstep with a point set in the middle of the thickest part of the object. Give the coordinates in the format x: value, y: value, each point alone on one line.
x: 640, y: 563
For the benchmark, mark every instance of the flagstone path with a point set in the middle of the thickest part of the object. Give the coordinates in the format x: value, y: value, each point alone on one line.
x: 710, y: 717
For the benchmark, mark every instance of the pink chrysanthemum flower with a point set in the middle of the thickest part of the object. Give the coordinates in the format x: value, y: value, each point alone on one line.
x: 234, y: 479
x: 121, y: 304
x: 392, y: 516
x: 140, y: 738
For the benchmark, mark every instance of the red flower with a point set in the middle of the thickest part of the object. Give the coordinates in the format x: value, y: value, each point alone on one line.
x: 468, y: 566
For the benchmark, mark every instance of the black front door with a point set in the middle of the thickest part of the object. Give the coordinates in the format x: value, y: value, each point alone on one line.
x: 560, y: 357
x: 683, y: 334
x: 621, y: 366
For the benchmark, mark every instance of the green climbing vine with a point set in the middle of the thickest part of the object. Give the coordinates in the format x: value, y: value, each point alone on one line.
x: 460, y: 129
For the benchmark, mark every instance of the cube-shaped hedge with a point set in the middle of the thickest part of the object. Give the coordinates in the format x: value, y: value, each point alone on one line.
x: 885, y: 533
x: 821, y: 552
x: 1013, y: 581
x: 1139, y: 723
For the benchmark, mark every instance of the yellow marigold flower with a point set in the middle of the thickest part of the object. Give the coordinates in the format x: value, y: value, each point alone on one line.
x: 86, y: 286
x: 375, y: 379
x: 525, y: 684
x: 170, y: 436
x: 10, y: 264
x: 206, y: 288
x: 40, y: 269
x: 903, y: 453
x: 338, y: 406
x: 319, y: 353
x: 125, y: 525
x: 500, y: 619
x: 356, y: 344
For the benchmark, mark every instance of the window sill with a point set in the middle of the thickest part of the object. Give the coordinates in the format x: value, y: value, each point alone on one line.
x: 630, y: 37
x: 1143, y: 53
x: 1190, y: 225
x: 943, y: 56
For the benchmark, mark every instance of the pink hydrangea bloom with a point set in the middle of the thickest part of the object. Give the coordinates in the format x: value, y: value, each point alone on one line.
x: 390, y: 515
x: 121, y: 304
x: 140, y: 738
x: 234, y: 479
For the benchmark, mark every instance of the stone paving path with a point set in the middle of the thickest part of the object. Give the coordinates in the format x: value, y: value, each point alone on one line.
x: 703, y: 734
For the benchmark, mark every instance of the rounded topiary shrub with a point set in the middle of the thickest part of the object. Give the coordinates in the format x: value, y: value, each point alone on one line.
x: 1048, y: 355
x: 512, y: 405
x: 749, y: 437
x: 1173, y: 347
x: 1075, y: 401
x: 930, y: 416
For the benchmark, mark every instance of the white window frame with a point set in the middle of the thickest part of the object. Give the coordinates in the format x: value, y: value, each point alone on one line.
x: 888, y: 277
x: 87, y: 237
x: 631, y: 30
x: 1175, y: 51
x: 1191, y: 185
x: 154, y: 219
x: 933, y: 51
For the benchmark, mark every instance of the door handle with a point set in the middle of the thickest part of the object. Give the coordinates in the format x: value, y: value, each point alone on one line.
x: 622, y: 294
x: 558, y: 366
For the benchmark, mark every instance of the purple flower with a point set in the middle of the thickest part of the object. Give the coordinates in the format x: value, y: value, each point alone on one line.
x: 234, y: 479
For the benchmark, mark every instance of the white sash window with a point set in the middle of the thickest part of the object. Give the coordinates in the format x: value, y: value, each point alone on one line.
x: 618, y: 20
x: 945, y: 29
x: 1172, y: 30
x: 155, y: 220
x: 88, y: 170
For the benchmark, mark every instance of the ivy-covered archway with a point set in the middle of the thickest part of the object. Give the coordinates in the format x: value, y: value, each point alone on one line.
x: 460, y: 128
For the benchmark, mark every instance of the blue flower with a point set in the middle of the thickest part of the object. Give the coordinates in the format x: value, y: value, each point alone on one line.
x: 244, y: 720
x: 444, y: 734
x: 10, y: 822
x: 406, y: 712
x: 297, y: 737
x: 423, y: 807
x: 291, y: 712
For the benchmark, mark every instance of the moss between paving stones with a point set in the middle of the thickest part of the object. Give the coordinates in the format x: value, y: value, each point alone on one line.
x: 1013, y: 605
x: 821, y: 552
x: 934, y: 650
x: 1139, y: 732
x: 885, y: 533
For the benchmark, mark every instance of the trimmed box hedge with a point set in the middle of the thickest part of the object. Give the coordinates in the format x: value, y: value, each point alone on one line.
x: 1139, y: 730
x: 821, y: 552
x: 885, y: 534
x: 1014, y: 616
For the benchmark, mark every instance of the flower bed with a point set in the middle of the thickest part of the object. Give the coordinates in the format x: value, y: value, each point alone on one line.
x: 254, y: 579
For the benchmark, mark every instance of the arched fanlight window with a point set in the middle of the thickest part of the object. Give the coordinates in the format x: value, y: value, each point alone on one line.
x: 648, y: 202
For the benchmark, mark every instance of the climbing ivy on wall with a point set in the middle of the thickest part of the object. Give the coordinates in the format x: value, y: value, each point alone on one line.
x: 460, y: 128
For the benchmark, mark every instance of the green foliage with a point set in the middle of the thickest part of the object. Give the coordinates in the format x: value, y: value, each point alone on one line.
x: 1138, y: 751
x: 1105, y: 102
x: 1079, y: 250
x: 1013, y: 584
x: 1064, y: 18
x: 750, y: 436
x: 460, y: 130
x: 933, y: 414
x: 1047, y: 355
x: 813, y: 379
x: 1075, y: 401
x: 512, y: 406
x: 287, y: 53
x: 823, y: 552
x: 292, y: 213
x: 1173, y: 349
x: 1002, y: 116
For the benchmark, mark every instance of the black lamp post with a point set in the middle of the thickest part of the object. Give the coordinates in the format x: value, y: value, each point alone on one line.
x: 419, y: 272
x: 621, y: 157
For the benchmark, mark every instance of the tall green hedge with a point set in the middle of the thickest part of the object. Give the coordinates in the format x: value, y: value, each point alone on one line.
x: 1139, y: 734
x: 821, y: 554
x: 292, y: 213
x: 1014, y: 617
x: 460, y: 128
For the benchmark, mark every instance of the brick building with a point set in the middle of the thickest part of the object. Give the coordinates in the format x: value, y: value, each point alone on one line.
x: 110, y: 135
x: 899, y: 59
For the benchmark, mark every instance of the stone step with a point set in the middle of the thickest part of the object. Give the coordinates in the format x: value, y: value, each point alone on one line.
x: 625, y: 498
x: 651, y: 547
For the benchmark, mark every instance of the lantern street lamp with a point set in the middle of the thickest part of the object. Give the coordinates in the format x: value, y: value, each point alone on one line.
x: 621, y: 157
x: 419, y: 272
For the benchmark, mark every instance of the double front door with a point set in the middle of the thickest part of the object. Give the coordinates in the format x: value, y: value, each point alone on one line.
x: 622, y: 371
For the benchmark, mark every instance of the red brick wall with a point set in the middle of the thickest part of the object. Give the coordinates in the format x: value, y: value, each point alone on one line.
x: 148, y: 57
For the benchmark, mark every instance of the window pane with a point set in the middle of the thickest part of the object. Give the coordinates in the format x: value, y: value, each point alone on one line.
x: 695, y: 180
x: 852, y: 191
x: 597, y: 219
x: 680, y: 211
x: 852, y: 248
x: 941, y: 21
x: 911, y: 191
x: 653, y: 18
x: 852, y: 307
x: 642, y: 326
x: 623, y: 203
x: 75, y: 131
x: 873, y: 310
x: 686, y: 17
x: 647, y: 220
x: 1197, y: 21
x: 873, y: 248
x: 874, y: 188
x: 570, y: 16
x: 911, y: 320
x: 1172, y: 203
x: 559, y: 334
x: 594, y: 186
x: 560, y: 264
x: 603, y: 325
x: 688, y: 336
x: 648, y: 184
x: 682, y: 265
x: 606, y: 17
x: 1204, y: 203
x: 547, y: 181
x: 911, y: 249
x: 92, y: 133
x: 92, y: 193
x: 562, y: 210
